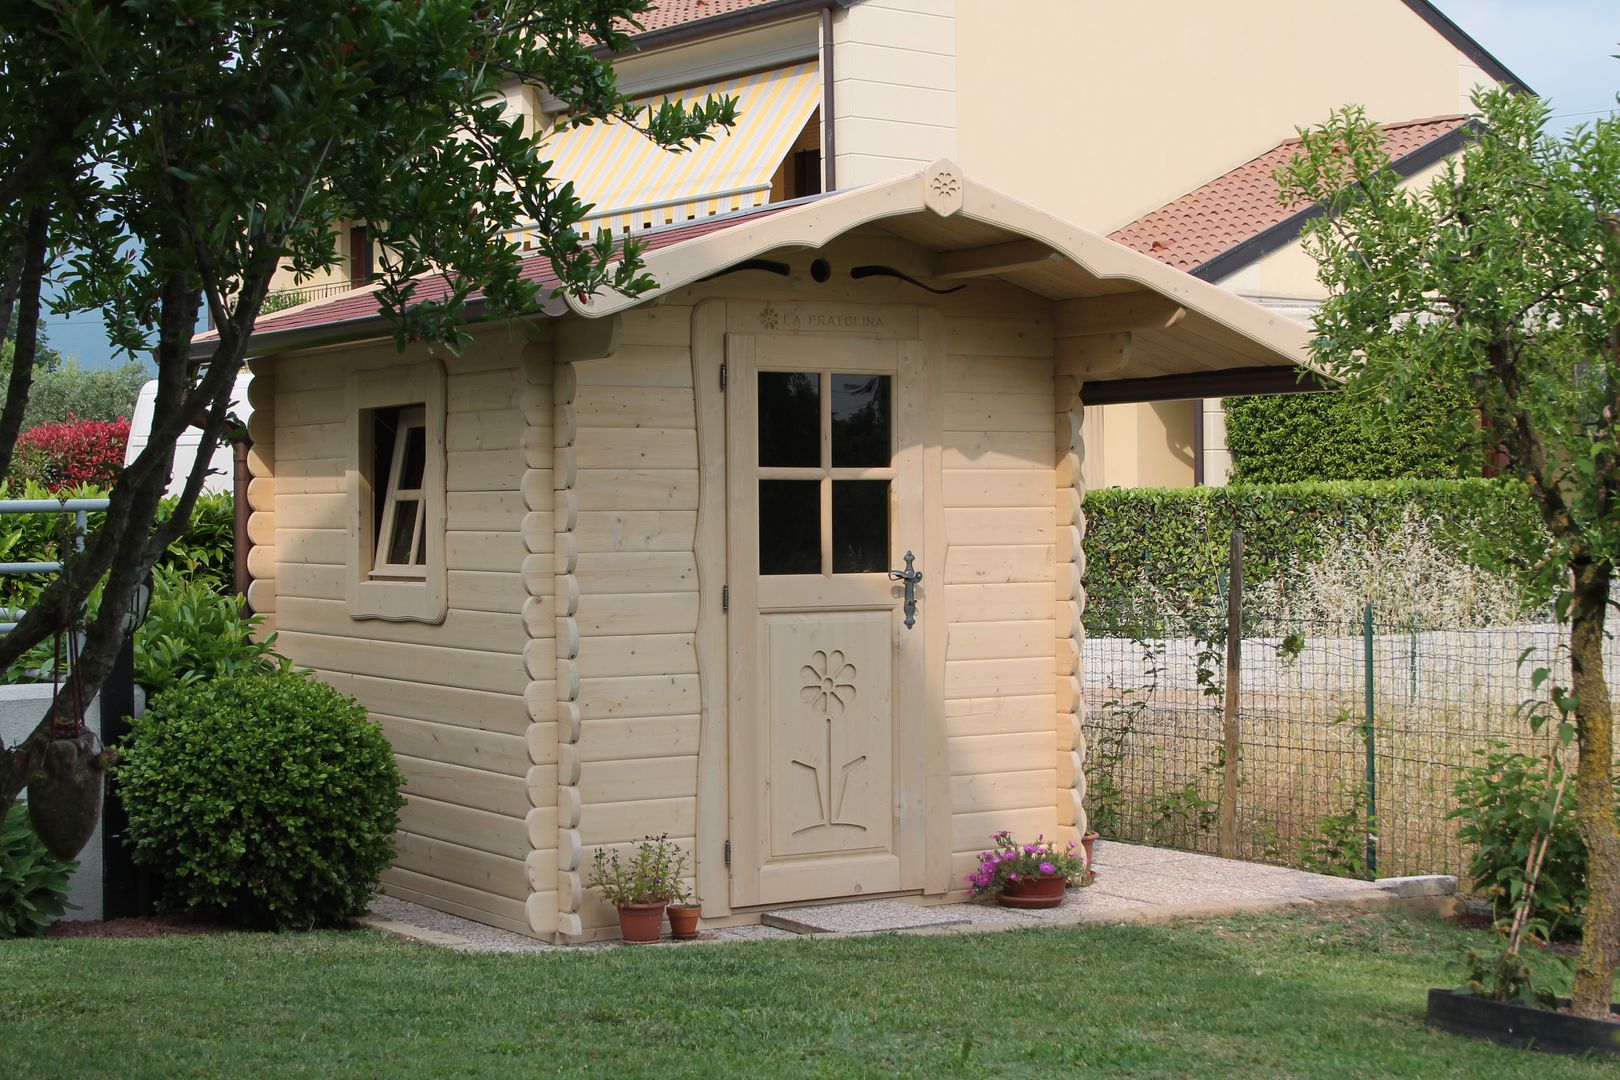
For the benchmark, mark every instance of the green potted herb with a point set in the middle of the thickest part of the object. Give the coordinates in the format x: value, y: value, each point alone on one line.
x: 642, y: 887
x: 683, y: 916
x: 1031, y: 875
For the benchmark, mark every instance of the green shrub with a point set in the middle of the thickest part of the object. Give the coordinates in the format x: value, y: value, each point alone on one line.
x: 270, y: 800
x: 206, y: 550
x: 1152, y: 550
x: 1291, y: 438
x: 203, y: 555
x: 33, y: 882
x: 1502, y: 800
x: 192, y: 633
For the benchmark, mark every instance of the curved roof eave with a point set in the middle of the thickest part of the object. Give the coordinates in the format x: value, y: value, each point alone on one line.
x: 943, y: 190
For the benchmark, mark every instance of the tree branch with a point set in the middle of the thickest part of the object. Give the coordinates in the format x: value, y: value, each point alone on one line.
x: 27, y: 348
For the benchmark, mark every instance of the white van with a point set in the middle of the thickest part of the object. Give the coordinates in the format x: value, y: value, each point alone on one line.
x: 185, y: 450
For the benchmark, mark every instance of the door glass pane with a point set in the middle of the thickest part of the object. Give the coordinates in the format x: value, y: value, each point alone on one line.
x: 790, y: 419
x: 790, y: 526
x: 399, y: 540
x: 860, y: 420
x: 860, y: 526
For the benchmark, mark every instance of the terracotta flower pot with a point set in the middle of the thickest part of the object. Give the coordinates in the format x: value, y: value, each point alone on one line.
x: 683, y: 921
x: 1088, y: 844
x: 1045, y: 891
x: 642, y: 922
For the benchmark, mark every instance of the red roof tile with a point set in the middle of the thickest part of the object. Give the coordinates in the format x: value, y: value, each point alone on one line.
x: 1243, y: 203
x: 361, y: 304
x: 676, y: 12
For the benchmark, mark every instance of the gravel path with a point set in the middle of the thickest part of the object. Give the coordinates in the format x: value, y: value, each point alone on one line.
x: 1133, y: 883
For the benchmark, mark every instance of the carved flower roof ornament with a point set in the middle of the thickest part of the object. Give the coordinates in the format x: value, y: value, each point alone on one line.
x: 942, y: 188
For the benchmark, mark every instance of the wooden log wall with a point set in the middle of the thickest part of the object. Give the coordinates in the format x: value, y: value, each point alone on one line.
x: 450, y: 696
x: 262, y: 494
x: 541, y: 652
x: 628, y: 685
x: 1071, y: 606
x: 1001, y: 563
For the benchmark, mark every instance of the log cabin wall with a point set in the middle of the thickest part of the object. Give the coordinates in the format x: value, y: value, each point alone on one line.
x: 449, y: 695
x: 558, y: 707
x: 627, y: 480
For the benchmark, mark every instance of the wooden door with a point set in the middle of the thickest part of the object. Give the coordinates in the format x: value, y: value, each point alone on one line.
x: 825, y: 499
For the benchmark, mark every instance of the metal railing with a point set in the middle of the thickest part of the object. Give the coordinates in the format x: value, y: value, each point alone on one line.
x: 81, y: 509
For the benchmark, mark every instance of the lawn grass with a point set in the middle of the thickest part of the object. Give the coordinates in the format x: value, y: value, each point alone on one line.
x: 1296, y: 995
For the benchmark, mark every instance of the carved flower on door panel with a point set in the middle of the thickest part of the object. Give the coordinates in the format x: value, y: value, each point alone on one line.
x: 828, y: 680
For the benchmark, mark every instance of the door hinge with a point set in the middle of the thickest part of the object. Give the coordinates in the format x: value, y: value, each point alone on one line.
x: 723, y: 378
x: 725, y: 598
x: 728, y: 852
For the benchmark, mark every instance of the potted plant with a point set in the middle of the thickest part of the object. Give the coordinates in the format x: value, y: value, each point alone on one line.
x: 1031, y: 875
x: 642, y: 887
x: 683, y: 914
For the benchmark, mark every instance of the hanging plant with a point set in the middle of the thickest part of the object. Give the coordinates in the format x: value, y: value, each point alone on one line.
x: 64, y: 797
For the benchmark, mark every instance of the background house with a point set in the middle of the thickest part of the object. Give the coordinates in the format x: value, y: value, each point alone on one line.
x: 1157, y: 122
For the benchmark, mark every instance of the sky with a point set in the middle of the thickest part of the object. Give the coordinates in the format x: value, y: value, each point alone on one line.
x: 1562, y: 48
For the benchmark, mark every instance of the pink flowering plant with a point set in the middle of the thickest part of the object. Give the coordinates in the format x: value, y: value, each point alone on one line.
x: 1011, y: 861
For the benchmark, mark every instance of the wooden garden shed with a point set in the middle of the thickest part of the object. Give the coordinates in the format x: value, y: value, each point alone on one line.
x: 627, y: 568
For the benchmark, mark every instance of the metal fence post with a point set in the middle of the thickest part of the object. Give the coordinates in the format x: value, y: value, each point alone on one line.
x: 1231, y: 742
x: 1368, y: 739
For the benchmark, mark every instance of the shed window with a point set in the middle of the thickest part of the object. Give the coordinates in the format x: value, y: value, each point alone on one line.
x: 399, y: 463
x: 396, y: 495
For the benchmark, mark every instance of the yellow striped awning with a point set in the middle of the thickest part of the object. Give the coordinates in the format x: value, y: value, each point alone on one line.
x: 635, y: 185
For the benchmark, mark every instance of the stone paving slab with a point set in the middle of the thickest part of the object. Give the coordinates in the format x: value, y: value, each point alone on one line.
x: 864, y: 917
x: 1134, y: 884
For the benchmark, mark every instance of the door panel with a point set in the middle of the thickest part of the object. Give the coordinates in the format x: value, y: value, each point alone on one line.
x: 831, y: 732
x: 824, y: 498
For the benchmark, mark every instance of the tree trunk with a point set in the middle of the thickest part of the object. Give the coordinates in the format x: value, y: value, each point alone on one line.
x: 27, y: 345
x: 1594, y: 793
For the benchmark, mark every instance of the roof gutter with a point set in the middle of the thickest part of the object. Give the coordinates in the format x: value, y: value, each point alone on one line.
x: 731, y: 21
x: 1464, y: 42
x: 1289, y: 228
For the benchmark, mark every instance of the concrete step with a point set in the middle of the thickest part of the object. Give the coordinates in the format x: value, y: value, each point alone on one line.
x: 864, y: 917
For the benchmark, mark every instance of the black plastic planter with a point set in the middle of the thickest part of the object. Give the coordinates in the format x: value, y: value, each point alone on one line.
x: 1519, y: 1025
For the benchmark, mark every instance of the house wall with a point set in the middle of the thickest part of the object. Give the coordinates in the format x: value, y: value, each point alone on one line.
x: 451, y: 697
x: 1154, y: 98
x: 894, y: 88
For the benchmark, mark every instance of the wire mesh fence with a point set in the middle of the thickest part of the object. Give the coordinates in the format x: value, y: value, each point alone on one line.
x: 1352, y: 733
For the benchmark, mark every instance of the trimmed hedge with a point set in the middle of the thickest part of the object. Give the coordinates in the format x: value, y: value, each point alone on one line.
x: 1296, y: 438
x: 1178, y: 539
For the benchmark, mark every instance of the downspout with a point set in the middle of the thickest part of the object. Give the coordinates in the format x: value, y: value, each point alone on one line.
x: 1198, y: 442
x: 829, y: 145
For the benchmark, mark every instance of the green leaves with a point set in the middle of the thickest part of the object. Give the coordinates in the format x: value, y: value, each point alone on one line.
x: 221, y: 138
x: 1504, y: 801
x: 270, y: 799
x: 33, y: 882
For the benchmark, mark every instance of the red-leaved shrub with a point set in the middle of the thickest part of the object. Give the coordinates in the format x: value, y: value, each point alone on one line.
x: 71, y: 454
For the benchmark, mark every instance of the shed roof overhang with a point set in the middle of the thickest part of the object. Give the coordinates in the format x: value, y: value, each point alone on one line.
x: 1119, y: 315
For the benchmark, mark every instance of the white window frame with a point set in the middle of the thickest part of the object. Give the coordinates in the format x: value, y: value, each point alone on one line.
x: 415, y: 564
x: 377, y: 589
